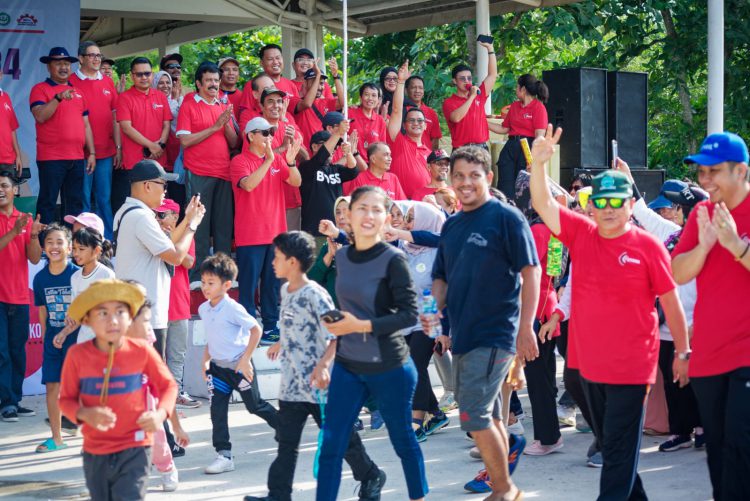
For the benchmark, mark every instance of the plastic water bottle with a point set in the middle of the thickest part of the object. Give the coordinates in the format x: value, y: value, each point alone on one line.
x: 554, y: 257
x: 430, y: 310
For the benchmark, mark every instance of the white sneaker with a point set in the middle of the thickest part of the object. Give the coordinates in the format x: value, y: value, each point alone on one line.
x: 447, y: 402
x: 474, y: 453
x: 170, y: 480
x: 566, y: 415
x: 221, y: 464
x: 516, y: 428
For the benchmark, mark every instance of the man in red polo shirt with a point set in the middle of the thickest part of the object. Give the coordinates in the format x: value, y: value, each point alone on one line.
x: 144, y: 117
x: 19, y: 244
x: 273, y: 65
x: 206, y: 134
x: 310, y: 110
x: 230, y: 75
x: 619, y: 272
x: 303, y: 61
x: 62, y: 131
x: 409, y: 154
x: 369, y: 124
x: 415, y: 92
x: 101, y: 98
x: 258, y: 178
x: 10, y: 151
x: 714, y: 248
x: 377, y: 173
x: 438, y: 165
x: 250, y: 105
x: 464, y: 110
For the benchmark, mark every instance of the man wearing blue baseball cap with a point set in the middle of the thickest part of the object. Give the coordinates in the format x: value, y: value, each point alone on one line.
x: 715, y: 249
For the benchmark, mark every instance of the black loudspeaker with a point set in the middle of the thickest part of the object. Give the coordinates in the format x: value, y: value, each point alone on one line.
x: 578, y: 103
x: 628, y: 117
x: 649, y: 181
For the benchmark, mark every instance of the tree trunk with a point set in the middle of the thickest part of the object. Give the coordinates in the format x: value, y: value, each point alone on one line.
x: 682, y: 88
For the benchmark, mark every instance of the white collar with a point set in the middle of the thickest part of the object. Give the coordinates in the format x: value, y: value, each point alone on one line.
x: 198, y: 99
x: 80, y: 74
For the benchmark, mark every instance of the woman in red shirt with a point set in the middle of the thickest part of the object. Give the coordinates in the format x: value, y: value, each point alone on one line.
x: 527, y: 118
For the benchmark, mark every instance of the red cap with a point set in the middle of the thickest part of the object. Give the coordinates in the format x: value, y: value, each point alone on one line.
x: 168, y: 205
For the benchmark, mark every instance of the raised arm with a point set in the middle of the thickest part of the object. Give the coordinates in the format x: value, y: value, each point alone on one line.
x: 541, y: 198
x: 309, y: 99
x: 491, y: 78
x: 397, y: 113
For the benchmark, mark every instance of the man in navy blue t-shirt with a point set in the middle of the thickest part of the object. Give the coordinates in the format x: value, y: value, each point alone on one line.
x: 486, y: 262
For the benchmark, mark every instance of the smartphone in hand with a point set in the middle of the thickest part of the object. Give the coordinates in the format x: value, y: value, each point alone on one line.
x: 332, y: 316
x: 486, y: 39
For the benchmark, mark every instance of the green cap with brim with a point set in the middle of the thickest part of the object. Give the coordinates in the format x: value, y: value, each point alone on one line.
x: 611, y: 184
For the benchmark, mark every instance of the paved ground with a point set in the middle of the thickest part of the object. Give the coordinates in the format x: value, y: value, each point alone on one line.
x: 25, y: 475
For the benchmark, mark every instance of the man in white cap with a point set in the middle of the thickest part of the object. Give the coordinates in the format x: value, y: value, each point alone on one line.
x: 258, y: 179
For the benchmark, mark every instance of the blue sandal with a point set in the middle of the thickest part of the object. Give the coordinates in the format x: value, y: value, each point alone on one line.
x: 49, y: 445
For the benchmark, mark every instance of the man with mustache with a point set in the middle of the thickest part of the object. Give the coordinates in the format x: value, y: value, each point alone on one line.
x: 206, y: 133
x: 62, y: 130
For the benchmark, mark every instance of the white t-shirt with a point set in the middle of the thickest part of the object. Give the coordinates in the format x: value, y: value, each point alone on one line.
x: 79, y: 283
x: 140, y: 240
x: 227, y: 327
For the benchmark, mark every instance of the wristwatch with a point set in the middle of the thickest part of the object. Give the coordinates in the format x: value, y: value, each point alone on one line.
x: 57, y: 96
x: 193, y: 226
x: 684, y: 355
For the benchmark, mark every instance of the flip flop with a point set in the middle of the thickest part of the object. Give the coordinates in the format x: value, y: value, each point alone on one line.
x: 49, y: 445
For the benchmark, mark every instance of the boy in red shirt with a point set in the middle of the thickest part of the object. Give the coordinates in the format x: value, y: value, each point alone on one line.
x: 102, y: 388
x: 614, y: 334
x: 714, y: 248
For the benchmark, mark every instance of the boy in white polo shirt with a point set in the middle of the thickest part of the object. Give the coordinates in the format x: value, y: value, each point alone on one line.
x: 232, y: 336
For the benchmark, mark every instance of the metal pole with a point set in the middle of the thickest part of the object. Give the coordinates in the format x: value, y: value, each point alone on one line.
x: 715, y: 66
x: 483, y: 28
x: 345, y: 63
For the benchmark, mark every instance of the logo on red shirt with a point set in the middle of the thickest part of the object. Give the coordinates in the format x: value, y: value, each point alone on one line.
x: 7, y: 107
x: 106, y: 92
x: 528, y: 116
x: 157, y: 106
x: 624, y: 259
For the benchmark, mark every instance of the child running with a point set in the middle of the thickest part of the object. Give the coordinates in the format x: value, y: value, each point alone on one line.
x: 232, y: 336
x: 304, y: 343
x: 52, y: 294
x: 102, y: 387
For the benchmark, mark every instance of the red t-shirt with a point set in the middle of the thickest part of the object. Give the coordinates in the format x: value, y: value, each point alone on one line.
x: 8, y: 123
x: 614, y: 328
x: 721, y: 324
x: 327, y: 93
x: 292, y: 196
x: 524, y: 120
x: 81, y: 384
x: 473, y: 126
x: 179, y: 291
x: 547, y: 294
x: 63, y: 135
x: 14, y: 267
x: 101, y: 97
x: 308, y: 120
x: 249, y: 107
x: 287, y: 86
x: 147, y: 112
x: 432, y: 131
x: 370, y: 130
x: 265, y: 203
x: 409, y: 163
x: 235, y: 99
x: 210, y: 157
x: 388, y: 182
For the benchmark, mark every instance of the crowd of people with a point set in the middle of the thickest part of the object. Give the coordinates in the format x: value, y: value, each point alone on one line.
x: 362, y: 251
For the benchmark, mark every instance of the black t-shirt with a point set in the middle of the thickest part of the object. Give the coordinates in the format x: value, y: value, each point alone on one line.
x: 321, y: 186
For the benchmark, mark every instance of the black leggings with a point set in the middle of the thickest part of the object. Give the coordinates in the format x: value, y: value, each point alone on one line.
x: 540, y: 379
x: 421, y: 347
x: 509, y: 164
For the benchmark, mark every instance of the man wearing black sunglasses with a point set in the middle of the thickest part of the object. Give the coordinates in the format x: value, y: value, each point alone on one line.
x: 614, y: 329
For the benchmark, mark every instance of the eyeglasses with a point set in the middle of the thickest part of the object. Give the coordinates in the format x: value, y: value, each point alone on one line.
x: 418, y: 121
x: 142, y: 74
x: 93, y: 56
x: 615, y: 203
x: 390, y: 79
x: 173, y: 66
x: 576, y: 187
x: 264, y: 133
x: 464, y: 79
x: 162, y: 184
x: 304, y: 60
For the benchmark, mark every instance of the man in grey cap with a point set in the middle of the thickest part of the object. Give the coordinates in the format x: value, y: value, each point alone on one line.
x: 144, y: 252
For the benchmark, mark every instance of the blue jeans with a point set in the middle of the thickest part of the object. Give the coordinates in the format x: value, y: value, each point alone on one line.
x: 393, y: 391
x: 14, y: 332
x: 254, y: 262
x: 101, y: 180
x: 63, y: 177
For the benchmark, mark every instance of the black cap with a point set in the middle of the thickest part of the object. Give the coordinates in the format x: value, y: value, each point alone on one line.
x: 108, y: 61
x: 170, y: 57
x: 304, y: 52
x: 437, y: 155
x: 58, y: 54
x: 310, y: 75
x: 147, y: 170
x: 320, y: 137
x: 690, y: 196
x: 270, y: 90
x: 332, y: 119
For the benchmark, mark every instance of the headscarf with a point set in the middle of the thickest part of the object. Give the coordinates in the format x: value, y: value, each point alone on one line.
x: 346, y: 199
x: 157, y: 77
x: 387, y: 95
x: 426, y: 218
